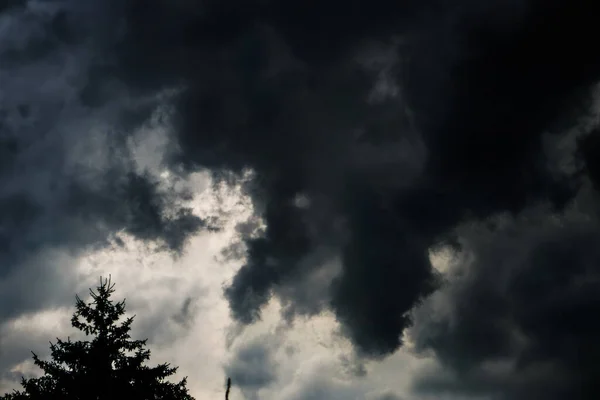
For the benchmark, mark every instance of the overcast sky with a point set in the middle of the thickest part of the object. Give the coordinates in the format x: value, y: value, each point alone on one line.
x: 321, y: 200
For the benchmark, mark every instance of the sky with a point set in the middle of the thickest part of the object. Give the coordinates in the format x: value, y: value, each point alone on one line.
x: 319, y: 199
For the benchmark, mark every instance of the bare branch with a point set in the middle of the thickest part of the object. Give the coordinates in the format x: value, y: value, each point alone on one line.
x: 228, y: 388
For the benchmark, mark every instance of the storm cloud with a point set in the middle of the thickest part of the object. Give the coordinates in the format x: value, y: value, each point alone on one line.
x: 372, y: 130
x: 517, y: 318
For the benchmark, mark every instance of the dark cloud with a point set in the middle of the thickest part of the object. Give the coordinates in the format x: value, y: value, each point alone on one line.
x: 385, y: 180
x: 11, y: 4
x: 519, y: 316
x: 373, y: 129
x: 394, y: 121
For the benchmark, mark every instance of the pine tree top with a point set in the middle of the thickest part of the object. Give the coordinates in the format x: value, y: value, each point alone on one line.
x: 110, y: 365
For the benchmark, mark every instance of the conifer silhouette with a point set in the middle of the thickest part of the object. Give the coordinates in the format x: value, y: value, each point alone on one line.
x: 109, y: 366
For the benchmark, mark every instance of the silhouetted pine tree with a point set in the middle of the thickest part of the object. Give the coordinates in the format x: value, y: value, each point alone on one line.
x: 110, y: 366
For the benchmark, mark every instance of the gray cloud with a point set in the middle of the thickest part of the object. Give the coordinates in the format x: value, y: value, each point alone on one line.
x: 322, y: 384
x: 68, y: 179
x: 253, y: 366
x: 387, y: 396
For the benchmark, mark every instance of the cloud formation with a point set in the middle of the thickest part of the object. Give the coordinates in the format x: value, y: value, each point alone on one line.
x: 68, y: 177
x: 372, y: 130
x: 385, y: 179
x: 253, y: 366
x: 516, y: 319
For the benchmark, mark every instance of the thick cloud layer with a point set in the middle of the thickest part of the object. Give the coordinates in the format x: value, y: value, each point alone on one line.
x: 517, y: 319
x: 372, y: 128
x: 290, y: 92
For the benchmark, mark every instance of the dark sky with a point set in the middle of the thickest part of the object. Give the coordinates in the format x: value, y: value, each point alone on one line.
x: 376, y: 131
